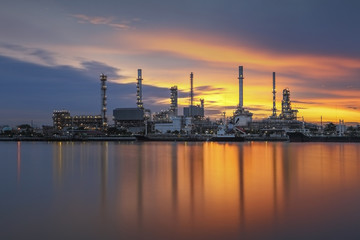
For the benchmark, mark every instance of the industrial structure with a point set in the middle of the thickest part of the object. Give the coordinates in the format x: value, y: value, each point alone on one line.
x: 131, y: 119
x: 139, y: 120
x: 103, y: 79
x: 192, y: 111
x: 174, y: 100
x: 167, y: 115
x: 195, y: 112
x: 62, y: 121
x: 282, y: 123
x: 287, y: 113
x: 241, y: 90
x: 274, y: 98
x: 242, y: 117
x: 193, y: 119
x: 139, y: 101
x: 135, y: 120
x: 139, y: 97
x: 168, y: 120
x: 191, y: 94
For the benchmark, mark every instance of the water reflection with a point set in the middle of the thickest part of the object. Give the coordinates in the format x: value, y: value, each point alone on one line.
x: 140, y: 187
x: 203, y: 190
x: 104, y: 176
x: 241, y: 189
x: 174, y: 180
x: 18, y: 161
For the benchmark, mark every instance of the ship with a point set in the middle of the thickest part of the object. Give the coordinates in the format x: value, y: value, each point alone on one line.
x: 223, y: 136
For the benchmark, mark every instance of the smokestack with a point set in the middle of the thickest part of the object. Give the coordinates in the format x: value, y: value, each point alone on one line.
x: 191, y: 92
x: 241, y: 78
x: 274, y: 96
x: 139, y: 101
x: 174, y: 100
x: 103, y: 79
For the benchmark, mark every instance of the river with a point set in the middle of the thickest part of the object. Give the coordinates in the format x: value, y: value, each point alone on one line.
x: 169, y: 190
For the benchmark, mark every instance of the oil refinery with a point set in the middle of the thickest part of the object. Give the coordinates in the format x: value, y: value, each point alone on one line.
x: 167, y: 124
x: 130, y: 123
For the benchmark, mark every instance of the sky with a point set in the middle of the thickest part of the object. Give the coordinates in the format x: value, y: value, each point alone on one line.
x: 52, y: 53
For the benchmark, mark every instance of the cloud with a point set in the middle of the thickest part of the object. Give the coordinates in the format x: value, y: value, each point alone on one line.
x: 45, y: 56
x: 35, y: 91
x: 208, y: 89
x: 13, y: 47
x: 93, y: 20
x: 109, y: 21
x: 304, y: 102
x: 301, y: 108
x: 259, y: 108
x: 95, y: 68
x: 210, y: 102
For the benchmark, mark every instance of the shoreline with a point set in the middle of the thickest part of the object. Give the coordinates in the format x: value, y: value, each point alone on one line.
x: 68, y: 139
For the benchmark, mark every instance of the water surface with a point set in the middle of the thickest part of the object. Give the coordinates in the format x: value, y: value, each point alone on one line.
x: 165, y: 190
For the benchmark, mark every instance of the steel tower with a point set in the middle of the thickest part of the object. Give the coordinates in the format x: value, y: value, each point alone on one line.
x: 139, y: 101
x: 103, y: 79
x: 287, y: 112
x: 174, y: 100
x: 241, y: 79
x: 191, y: 93
x: 274, y: 97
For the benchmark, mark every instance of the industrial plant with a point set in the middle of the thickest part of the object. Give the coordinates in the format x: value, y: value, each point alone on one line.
x: 141, y: 124
x: 139, y: 121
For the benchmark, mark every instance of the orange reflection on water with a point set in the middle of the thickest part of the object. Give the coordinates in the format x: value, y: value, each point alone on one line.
x: 194, y: 188
x: 165, y: 190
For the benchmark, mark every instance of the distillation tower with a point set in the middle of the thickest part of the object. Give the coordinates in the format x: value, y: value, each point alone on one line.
x: 103, y: 79
x: 191, y: 93
x: 139, y: 101
x: 241, y: 80
x: 286, y: 112
x: 174, y: 100
x: 274, y: 98
x: 242, y: 117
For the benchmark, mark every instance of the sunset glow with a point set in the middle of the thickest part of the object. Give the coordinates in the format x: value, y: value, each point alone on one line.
x: 322, y: 81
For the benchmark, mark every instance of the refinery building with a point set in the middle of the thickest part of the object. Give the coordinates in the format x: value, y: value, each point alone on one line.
x: 63, y: 121
x: 139, y: 120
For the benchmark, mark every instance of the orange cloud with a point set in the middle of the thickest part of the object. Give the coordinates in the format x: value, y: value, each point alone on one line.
x: 317, y: 82
x: 221, y: 58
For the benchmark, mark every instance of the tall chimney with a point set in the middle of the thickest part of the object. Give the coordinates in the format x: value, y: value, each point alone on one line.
x: 191, y: 93
x: 139, y: 101
x: 274, y: 96
x: 241, y: 78
x: 174, y: 100
x: 103, y: 79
